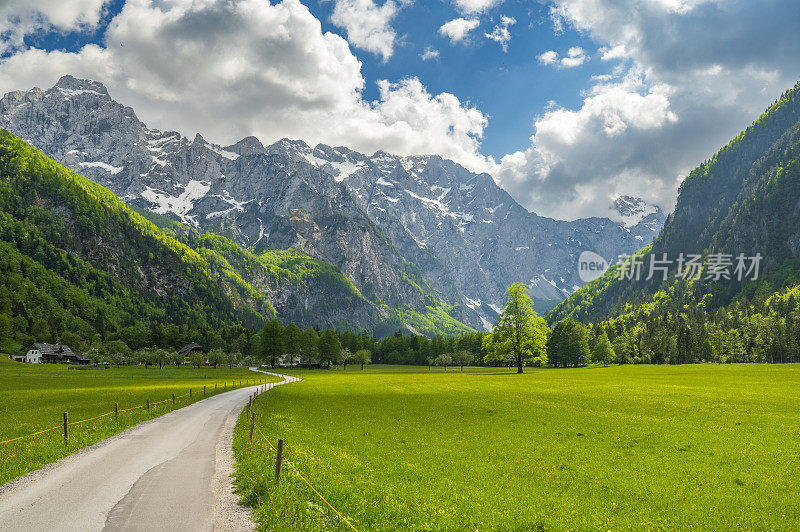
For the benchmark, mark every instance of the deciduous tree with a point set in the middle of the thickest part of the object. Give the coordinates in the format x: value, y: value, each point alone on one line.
x: 519, y: 335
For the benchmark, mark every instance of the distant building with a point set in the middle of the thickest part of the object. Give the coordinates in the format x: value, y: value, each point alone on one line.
x: 54, y: 354
x: 190, y: 349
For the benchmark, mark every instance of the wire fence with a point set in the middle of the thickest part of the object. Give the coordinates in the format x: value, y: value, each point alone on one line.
x: 174, y: 399
x: 118, y: 411
x: 288, y: 462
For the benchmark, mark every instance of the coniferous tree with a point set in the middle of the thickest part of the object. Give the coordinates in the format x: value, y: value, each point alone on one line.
x: 272, y: 345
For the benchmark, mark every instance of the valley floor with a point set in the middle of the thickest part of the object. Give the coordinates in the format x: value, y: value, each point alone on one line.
x: 615, y: 448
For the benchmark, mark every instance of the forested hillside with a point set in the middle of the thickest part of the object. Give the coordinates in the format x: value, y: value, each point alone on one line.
x: 78, y: 264
x: 744, y: 200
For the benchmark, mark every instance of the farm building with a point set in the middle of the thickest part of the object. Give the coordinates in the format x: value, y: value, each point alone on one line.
x: 190, y: 349
x: 53, y: 354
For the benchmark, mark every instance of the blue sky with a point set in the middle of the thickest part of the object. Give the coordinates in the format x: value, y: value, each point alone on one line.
x: 652, y: 88
x: 511, y: 87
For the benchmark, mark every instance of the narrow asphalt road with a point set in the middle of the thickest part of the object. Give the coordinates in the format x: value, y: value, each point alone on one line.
x: 171, y: 473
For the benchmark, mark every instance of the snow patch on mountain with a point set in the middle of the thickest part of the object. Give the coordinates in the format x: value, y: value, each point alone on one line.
x: 631, y: 211
x: 177, y: 205
x: 113, y: 170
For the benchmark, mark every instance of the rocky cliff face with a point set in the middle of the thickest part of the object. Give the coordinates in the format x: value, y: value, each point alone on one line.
x: 408, y: 231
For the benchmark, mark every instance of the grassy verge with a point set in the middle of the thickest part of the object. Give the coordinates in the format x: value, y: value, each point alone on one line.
x: 33, y: 397
x: 619, y: 448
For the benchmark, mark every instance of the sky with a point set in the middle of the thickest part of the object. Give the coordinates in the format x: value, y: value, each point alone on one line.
x: 567, y: 104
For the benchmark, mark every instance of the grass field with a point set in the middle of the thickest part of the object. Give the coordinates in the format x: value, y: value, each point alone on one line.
x: 33, y: 397
x: 703, y: 447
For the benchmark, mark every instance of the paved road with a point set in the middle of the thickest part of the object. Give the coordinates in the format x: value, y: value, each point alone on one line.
x: 159, y: 475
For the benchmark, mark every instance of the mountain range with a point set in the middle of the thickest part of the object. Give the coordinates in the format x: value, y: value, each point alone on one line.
x: 422, y: 240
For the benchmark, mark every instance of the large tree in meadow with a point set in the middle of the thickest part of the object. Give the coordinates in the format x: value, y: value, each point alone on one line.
x: 519, y: 335
x: 272, y: 345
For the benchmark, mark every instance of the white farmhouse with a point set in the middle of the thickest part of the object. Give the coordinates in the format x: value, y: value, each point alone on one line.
x: 33, y: 356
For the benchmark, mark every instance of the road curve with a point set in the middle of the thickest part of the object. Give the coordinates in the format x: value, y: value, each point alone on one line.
x: 164, y: 474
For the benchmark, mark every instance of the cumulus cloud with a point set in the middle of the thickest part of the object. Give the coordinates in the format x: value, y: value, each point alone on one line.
x: 452, y: 130
x: 476, y: 6
x: 500, y: 34
x: 19, y: 18
x: 690, y: 78
x: 548, y: 58
x: 429, y: 54
x: 611, y: 53
x: 568, y: 161
x: 458, y: 29
x: 251, y: 68
x: 368, y: 25
x: 576, y: 56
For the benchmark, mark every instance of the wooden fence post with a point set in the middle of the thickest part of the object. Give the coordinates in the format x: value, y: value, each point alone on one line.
x: 252, y: 426
x: 278, y: 460
x: 66, y: 428
x: 116, y: 411
x: 148, y: 405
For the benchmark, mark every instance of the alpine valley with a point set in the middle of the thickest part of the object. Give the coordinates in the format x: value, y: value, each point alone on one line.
x: 320, y: 235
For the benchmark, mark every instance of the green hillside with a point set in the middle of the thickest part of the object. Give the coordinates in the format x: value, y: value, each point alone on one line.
x: 745, y: 199
x: 80, y: 265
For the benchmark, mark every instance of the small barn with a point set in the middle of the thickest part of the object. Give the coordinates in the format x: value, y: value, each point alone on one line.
x: 190, y: 349
x: 54, y: 354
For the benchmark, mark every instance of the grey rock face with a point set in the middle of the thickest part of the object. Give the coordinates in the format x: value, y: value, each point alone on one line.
x: 408, y: 231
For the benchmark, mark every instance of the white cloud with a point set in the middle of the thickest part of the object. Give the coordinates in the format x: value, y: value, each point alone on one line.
x: 567, y: 163
x: 429, y: 54
x: 368, y: 25
x: 252, y: 68
x: 457, y: 29
x: 616, y: 52
x: 476, y: 6
x: 451, y: 129
x: 19, y: 18
x: 548, y: 58
x: 500, y: 34
x: 576, y: 56
x: 691, y: 79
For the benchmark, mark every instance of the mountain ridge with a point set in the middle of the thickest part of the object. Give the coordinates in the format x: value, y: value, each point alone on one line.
x: 405, y: 230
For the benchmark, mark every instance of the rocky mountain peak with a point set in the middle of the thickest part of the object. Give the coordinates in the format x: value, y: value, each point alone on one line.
x: 247, y: 146
x: 72, y: 86
x: 633, y: 210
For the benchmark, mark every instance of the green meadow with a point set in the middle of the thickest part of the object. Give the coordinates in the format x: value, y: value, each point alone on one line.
x: 33, y: 397
x: 703, y: 447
